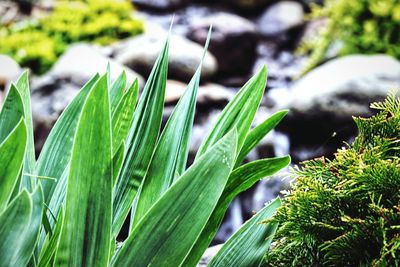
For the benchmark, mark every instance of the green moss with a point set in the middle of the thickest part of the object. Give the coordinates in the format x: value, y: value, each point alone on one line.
x: 362, y: 26
x: 346, y: 211
x: 38, y: 44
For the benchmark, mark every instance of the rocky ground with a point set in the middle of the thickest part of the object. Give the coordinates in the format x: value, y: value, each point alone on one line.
x: 246, y: 35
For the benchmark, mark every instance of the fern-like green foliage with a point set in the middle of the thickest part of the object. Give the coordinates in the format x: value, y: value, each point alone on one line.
x: 38, y: 44
x: 363, y: 26
x: 346, y: 211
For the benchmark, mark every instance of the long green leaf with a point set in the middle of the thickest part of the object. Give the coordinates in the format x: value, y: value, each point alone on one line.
x: 141, y: 140
x: 56, y: 152
x: 11, y: 159
x: 30, y: 236
x: 117, y: 90
x: 54, y: 207
x: 240, y: 180
x: 171, y: 151
x: 22, y: 86
x: 123, y: 115
x: 238, y: 113
x: 173, y: 224
x: 57, y: 200
x: 247, y: 247
x: 85, y: 237
x: 258, y: 133
x: 19, y: 228
x: 11, y: 113
x: 12, y: 223
x: 118, y: 159
x: 47, y: 254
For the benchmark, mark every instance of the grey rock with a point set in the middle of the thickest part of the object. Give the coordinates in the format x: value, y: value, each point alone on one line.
x: 47, y: 105
x: 209, y: 95
x: 81, y: 61
x: 203, y: 125
x: 323, y: 102
x: 162, y: 5
x: 280, y: 18
x: 234, y: 40
x: 249, y: 5
x: 9, y: 70
x: 140, y: 53
x: 344, y: 86
x: 9, y: 12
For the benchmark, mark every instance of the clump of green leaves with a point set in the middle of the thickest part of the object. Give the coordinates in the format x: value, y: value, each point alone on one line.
x: 346, y: 211
x: 363, y: 26
x: 32, y: 48
x: 106, y: 158
x: 38, y: 44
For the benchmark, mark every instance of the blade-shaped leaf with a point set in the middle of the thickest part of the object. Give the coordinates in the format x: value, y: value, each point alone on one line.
x: 30, y: 236
x: 11, y: 112
x: 172, y: 225
x: 118, y: 159
x: 117, y: 90
x: 240, y: 180
x: 11, y: 159
x: 12, y: 223
x: 19, y: 228
x: 247, y: 247
x: 47, y: 254
x: 22, y: 86
x: 57, y: 200
x: 258, y: 133
x: 56, y: 152
x: 85, y: 237
x: 238, y: 113
x: 54, y: 207
x: 141, y: 140
x: 171, y: 151
x: 123, y: 115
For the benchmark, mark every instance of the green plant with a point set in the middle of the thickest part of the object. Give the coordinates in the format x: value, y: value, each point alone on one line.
x: 346, y: 211
x: 31, y: 48
x: 97, y: 21
x: 105, y: 158
x: 364, y: 26
x: 38, y: 44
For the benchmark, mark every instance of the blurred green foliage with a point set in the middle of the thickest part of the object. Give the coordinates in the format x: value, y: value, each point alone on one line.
x: 31, y: 48
x: 346, y: 211
x: 37, y: 44
x: 362, y: 26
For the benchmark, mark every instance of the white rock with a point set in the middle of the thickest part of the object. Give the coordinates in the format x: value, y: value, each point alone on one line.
x: 81, y: 61
x: 9, y: 70
x: 345, y: 86
x: 140, y: 53
x: 209, y: 94
x: 281, y: 17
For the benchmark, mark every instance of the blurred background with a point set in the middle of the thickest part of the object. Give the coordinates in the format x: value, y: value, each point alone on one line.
x: 327, y: 61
